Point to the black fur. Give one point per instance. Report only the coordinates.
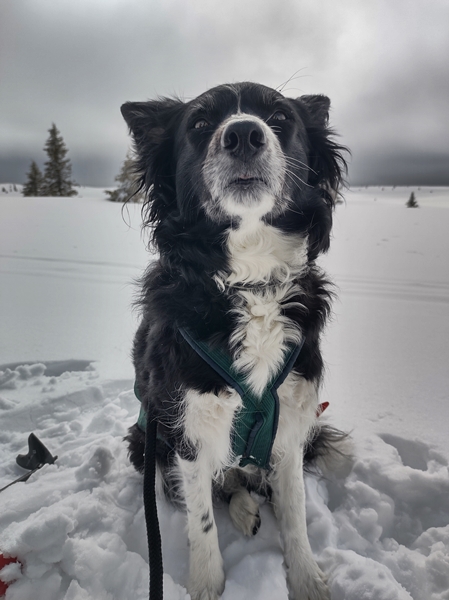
(178, 289)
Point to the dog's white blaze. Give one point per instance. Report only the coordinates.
(259, 253)
(261, 337)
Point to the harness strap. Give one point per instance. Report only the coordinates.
(257, 422)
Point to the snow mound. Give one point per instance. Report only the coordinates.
(78, 526)
(11, 189)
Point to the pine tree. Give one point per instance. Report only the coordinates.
(412, 202)
(33, 185)
(127, 188)
(58, 169)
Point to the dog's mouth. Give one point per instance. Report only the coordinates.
(247, 181)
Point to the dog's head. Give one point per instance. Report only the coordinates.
(235, 152)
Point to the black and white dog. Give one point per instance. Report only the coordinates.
(240, 186)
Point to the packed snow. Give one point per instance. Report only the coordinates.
(379, 527)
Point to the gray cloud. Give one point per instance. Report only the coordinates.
(414, 167)
(384, 64)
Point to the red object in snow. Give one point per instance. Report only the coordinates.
(3, 562)
(321, 408)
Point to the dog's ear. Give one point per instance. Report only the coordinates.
(153, 126)
(325, 156)
(135, 114)
(327, 167)
(318, 107)
(149, 122)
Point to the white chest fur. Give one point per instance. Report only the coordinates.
(272, 261)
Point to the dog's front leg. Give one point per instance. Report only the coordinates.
(207, 424)
(206, 578)
(304, 578)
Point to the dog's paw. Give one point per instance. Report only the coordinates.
(207, 578)
(210, 592)
(206, 595)
(308, 585)
(244, 512)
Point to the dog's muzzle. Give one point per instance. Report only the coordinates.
(244, 169)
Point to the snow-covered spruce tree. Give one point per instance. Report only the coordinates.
(127, 188)
(33, 185)
(412, 202)
(58, 169)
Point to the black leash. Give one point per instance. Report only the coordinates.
(151, 518)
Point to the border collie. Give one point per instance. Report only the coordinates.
(240, 186)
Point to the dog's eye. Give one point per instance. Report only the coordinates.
(279, 116)
(200, 124)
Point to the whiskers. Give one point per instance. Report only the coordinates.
(296, 179)
(280, 88)
(296, 162)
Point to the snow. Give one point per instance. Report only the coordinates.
(63, 259)
(380, 528)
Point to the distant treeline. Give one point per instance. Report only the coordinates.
(127, 189)
(57, 177)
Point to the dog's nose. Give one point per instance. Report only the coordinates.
(243, 138)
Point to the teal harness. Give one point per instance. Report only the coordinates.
(256, 424)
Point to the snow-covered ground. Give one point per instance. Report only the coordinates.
(381, 531)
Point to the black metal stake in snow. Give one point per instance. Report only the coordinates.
(38, 456)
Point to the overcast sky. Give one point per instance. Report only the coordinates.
(383, 63)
